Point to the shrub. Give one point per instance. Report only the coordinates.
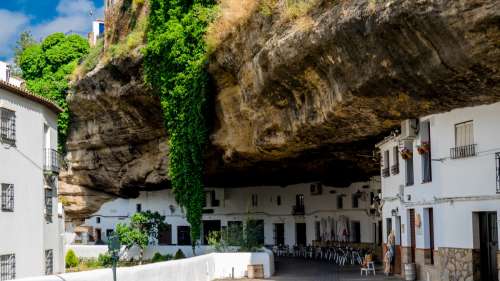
(104, 260)
(71, 259)
(179, 255)
(157, 257)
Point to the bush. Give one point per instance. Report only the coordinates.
(179, 255)
(157, 257)
(104, 260)
(71, 259)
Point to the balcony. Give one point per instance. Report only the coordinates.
(298, 210)
(386, 172)
(51, 161)
(463, 151)
(395, 169)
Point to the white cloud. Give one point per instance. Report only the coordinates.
(12, 24)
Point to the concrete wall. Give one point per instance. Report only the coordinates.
(200, 268)
(236, 205)
(24, 231)
(459, 187)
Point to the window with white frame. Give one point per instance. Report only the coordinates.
(7, 267)
(7, 197)
(48, 205)
(49, 262)
(7, 126)
(464, 134)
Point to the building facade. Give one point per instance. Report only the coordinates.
(31, 222)
(441, 193)
(292, 215)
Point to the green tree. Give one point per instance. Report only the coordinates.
(71, 259)
(46, 67)
(143, 228)
(175, 59)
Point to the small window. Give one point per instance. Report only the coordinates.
(48, 205)
(7, 267)
(355, 201)
(138, 208)
(109, 232)
(7, 126)
(98, 220)
(340, 202)
(183, 235)
(7, 197)
(255, 201)
(49, 262)
(278, 200)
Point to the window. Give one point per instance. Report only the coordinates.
(340, 202)
(464, 141)
(165, 235)
(7, 126)
(395, 160)
(385, 168)
(388, 226)
(98, 220)
(48, 205)
(138, 208)
(425, 141)
(355, 201)
(7, 197)
(429, 212)
(409, 178)
(109, 232)
(255, 200)
(278, 200)
(183, 235)
(299, 200)
(7, 267)
(49, 262)
(356, 232)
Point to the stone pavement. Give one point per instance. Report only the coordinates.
(291, 269)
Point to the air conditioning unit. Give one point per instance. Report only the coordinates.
(409, 129)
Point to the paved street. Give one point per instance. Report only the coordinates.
(290, 269)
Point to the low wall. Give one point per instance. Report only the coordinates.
(200, 268)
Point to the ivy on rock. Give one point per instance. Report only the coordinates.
(175, 65)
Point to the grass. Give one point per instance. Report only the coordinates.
(298, 8)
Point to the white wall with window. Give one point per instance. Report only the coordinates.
(25, 233)
(273, 206)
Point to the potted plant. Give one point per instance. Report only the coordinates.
(424, 147)
(406, 153)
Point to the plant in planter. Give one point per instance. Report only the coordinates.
(424, 147)
(406, 153)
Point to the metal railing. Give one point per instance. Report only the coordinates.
(298, 210)
(395, 169)
(386, 172)
(51, 162)
(463, 151)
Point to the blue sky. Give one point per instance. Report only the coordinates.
(44, 17)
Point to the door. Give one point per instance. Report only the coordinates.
(397, 259)
(412, 235)
(489, 245)
(208, 227)
(98, 235)
(279, 234)
(300, 234)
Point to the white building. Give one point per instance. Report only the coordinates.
(293, 215)
(30, 222)
(443, 202)
(6, 75)
(96, 33)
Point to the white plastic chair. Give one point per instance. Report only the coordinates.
(369, 268)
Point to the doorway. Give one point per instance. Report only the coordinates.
(208, 227)
(412, 235)
(488, 235)
(397, 259)
(300, 234)
(279, 234)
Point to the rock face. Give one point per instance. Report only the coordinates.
(295, 100)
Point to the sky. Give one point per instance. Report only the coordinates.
(44, 17)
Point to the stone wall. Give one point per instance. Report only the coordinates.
(457, 264)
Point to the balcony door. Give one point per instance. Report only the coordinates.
(300, 234)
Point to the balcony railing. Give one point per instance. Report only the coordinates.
(298, 210)
(386, 172)
(463, 151)
(51, 161)
(395, 169)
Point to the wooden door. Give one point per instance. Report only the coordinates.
(489, 245)
(412, 235)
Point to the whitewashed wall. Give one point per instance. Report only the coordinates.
(200, 268)
(235, 205)
(24, 231)
(459, 187)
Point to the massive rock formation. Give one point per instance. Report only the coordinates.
(295, 100)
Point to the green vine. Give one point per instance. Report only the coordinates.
(175, 65)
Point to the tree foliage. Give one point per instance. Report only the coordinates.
(175, 65)
(143, 228)
(71, 259)
(46, 67)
